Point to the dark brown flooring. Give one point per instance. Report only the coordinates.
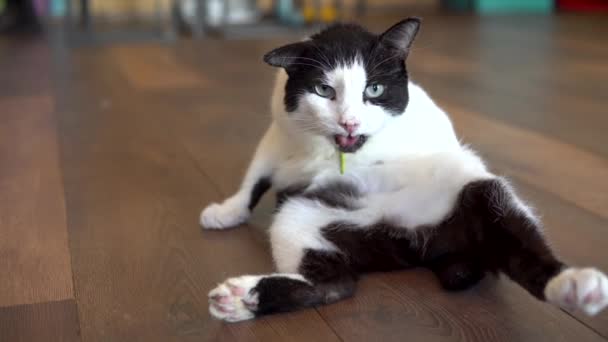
(108, 154)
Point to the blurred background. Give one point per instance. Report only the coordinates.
(170, 19)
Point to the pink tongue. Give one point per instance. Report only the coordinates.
(346, 141)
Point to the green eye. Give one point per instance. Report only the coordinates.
(324, 90)
(374, 90)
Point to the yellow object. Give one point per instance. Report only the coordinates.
(122, 9)
(309, 13)
(328, 14)
(342, 163)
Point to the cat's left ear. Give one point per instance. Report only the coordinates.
(285, 56)
(401, 35)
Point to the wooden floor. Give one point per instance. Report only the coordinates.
(108, 154)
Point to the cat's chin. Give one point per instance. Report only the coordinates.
(350, 143)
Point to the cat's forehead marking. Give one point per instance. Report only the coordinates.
(349, 79)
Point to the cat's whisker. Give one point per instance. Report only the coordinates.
(307, 121)
(327, 63)
(372, 56)
(308, 129)
(307, 64)
(304, 122)
(384, 61)
(300, 57)
(381, 75)
(320, 65)
(313, 127)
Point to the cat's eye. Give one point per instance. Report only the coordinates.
(324, 90)
(374, 90)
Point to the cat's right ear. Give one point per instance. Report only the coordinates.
(401, 35)
(285, 56)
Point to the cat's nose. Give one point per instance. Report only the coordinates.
(349, 125)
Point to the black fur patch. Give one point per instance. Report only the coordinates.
(488, 231)
(280, 294)
(457, 271)
(292, 191)
(381, 247)
(330, 279)
(335, 195)
(259, 189)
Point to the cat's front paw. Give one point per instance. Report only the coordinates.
(225, 215)
(584, 289)
(234, 300)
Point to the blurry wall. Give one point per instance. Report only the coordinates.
(129, 8)
(119, 8)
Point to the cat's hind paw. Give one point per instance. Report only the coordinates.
(234, 300)
(584, 289)
(225, 215)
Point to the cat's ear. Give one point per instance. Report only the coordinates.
(285, 55)
(401, 35)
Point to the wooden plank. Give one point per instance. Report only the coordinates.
(44, 322)
(151, 67)
(33, 237)
(25, 68)
(412, 304)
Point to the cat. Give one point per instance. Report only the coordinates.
(410, 194)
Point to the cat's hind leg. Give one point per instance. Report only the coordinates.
(512, 242)
(456, 271)
(326, 280)
(313, 271)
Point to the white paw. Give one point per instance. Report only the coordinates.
(225, 215)
(233, 300)
(584, 289)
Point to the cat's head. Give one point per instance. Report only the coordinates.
(345, 83)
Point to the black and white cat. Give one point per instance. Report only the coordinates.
(411, 193)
